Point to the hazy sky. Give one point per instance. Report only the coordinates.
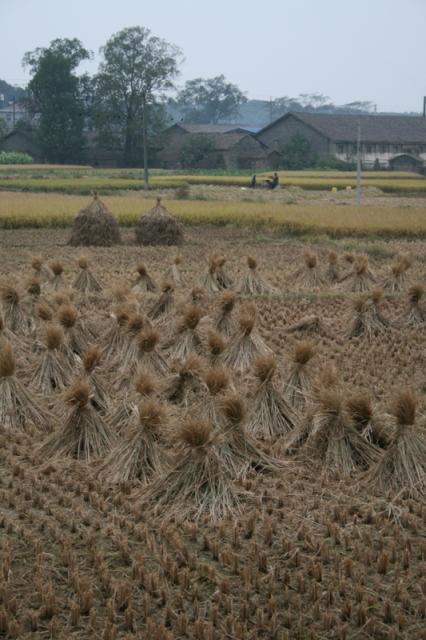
(346, 49)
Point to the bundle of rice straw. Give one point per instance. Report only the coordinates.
(86, 282)
(187, 383)
(397, 279)
(114, 338)
(309, 276)
(378, 320)
(198, 483)
(43, 312)
(216, 346)
(186, 340)
(53, 373)
(296, 438)
(246, 344)
(361, 278)
(138, 456)
(332, 274)
(417, 313)
(95, 226)
(41, 272)
(158, 227)
(91, 361)
(144, 282)
(309, 325)
(196, 296)
(173, 273)
(145, 387)
(208, 405)
(403, 464)
(18, 409)
(252, 283)
(76, 336)
(163, 308)
(225, 322)
(334, 442)
(239, 451)
(14, 316)
(365, 322)
(84, 435)
(57, 282)
(297, 390)
(377, 429)
(271, 417)
(215, 279)
(149, 359)
(127, 359)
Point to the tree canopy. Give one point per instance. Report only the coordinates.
(209, 100)
(137, 67)
(55, 97)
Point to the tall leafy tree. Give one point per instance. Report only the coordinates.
(136, 69)
(209, 100)
(55, 96)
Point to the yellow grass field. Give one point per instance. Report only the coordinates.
(57, 210)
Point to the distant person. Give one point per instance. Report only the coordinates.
(253, 182)
(273, 182)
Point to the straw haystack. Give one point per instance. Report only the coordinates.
(158, 227)
(95, 226)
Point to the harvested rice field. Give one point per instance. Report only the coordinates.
(224, 440)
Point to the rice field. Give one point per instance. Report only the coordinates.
(55, 210)
(224, 439)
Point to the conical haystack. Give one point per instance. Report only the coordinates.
(252, 283)
(18, 409)
(246, 344)
(297, 389)
(198, 483)
(271, 417)
(377, 429)
(309, 276)
(225, 322)
(403, 464)
(397, 278)
(158, 227)
(86, 283)
(95, 226)
(84, 435)
(334, 442)
(138, 456)
(182, 387)
(53, 373)
(416, 315)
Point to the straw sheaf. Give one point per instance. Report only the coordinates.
(56, 268)
(191, 318)
(7, 359)
(92, 358)
(233, 409)
(44, 312)
(151, 414)
(148, 339)
(192, 366)
(303, 352)
(415, 293)
(360, 410)
(265, 367)
(122, 318)
(68, 316)
(349, 257)
(141, 269)
(178, 260)
(377, 295)
(197, 295)
(78, 395)
(330, 401)
(196, 433)
(310, 259)
(9, 295)
(145, 385)
(37, 263)
(227, 301)
(332, 257)
(361, 265)
(135, 323)
(252, 263)
(216, 379)
(328, 376)
(215, 342)
(167, 287)
(360, 304)
(34, 287)
(54, 337)
(404, 408)
(83, 262)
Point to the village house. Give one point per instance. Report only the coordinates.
(22, 142)
(229, 147)
(387, 142)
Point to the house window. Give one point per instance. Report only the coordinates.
(340, 148)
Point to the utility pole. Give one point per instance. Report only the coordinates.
(358, 166)
(145, 141)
